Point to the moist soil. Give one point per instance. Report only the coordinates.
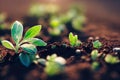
(79, 62)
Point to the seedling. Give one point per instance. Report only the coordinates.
(54, 65)
(94, 54)
(95, 65)
(111, 59)
(78, 22)
(73, 39)
(97, 44)
(56, 27)
(28, 43)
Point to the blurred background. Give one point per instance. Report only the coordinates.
(100, 9)
(105, 12)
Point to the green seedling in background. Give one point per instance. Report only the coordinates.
(3, 17)
(94, 54)
(28, 43)
(78, 22)
(43, 9)
(54, 65)
(73, 39)
(95, 65)
(56, 26)
(111, 59)
(97, 44)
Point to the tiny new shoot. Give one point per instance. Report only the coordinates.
(73, 39)
(28, 43)
(97, 44)
(54, 65)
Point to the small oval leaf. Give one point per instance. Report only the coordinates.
(7, 44)
(37, 42)
(32, 32)
(29, 48)
(24, 59)
(17, 31)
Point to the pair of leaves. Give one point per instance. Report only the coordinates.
(74, 40)
(17, 31)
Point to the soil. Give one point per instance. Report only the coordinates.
(78, 66)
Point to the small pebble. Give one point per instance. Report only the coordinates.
(37, 56)
(60, 60)
(117, 49)
(97, 38)
(78, 51)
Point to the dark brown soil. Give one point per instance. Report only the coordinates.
(78, 65)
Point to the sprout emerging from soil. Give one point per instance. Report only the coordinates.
(54, 65)
(73, 39)
(111, 59)
(94, 54)
(28, 43)
(97, 44)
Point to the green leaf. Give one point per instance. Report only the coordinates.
(24, 58)
(29, 48)
(32, 32)
(71, 38)
(111, 59)
(36, 42)
(17, 31)
(32, 57)
(97, 44)
(7, 44)
(94, 54)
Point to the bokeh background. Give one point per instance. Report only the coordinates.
(105, 11)
(102, 9)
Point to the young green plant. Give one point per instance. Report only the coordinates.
(54, 65)
(97, 44)
(111, 59)
(73, 39)
(28, 43)
(94, 54)
(56, 27)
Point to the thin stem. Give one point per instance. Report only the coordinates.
(17, 48)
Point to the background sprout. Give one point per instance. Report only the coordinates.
(28, 44)
(73, 39)
(95, 65)
(56, 26)
(43, 9)
(94, 54)
(97, 44)
(78, 22)
(111, 59)
(54, 65)
(55, 22)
